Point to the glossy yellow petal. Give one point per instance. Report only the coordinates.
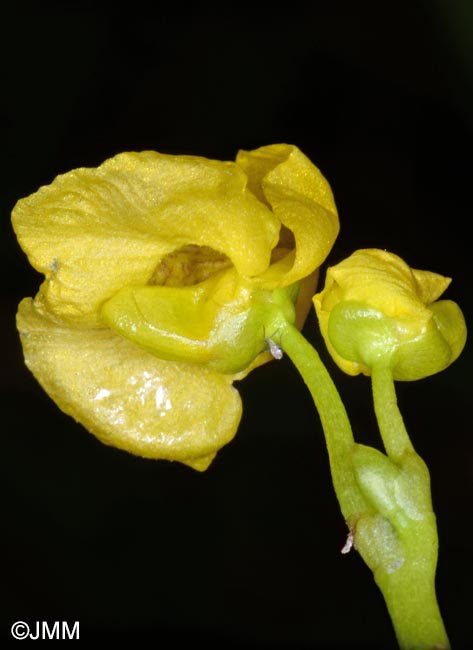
(429, 286)
(301, 198)
(94, 231)
(384, 281)
(127, 397)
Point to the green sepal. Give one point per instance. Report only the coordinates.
(412, 348)
(222, 322)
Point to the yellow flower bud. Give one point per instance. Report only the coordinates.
(375, 309)
(161, 275)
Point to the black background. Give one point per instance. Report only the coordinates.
(380, 97)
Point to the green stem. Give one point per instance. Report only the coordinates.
(333, 416)
(384, 500)
(391, 424)
(409, 592)
(410, 597)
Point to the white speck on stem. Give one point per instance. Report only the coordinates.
(349, 543)
(275, 349)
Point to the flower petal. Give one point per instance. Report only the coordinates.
(93, 231)
(299, 195)
(384, 280)
(430, 286)
(127, 397)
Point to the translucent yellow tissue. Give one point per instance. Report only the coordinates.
(375, 309)
(163, 277)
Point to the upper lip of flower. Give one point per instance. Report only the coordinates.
(93, 231)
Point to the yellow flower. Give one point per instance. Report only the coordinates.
(164, 275)
(375, 309)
